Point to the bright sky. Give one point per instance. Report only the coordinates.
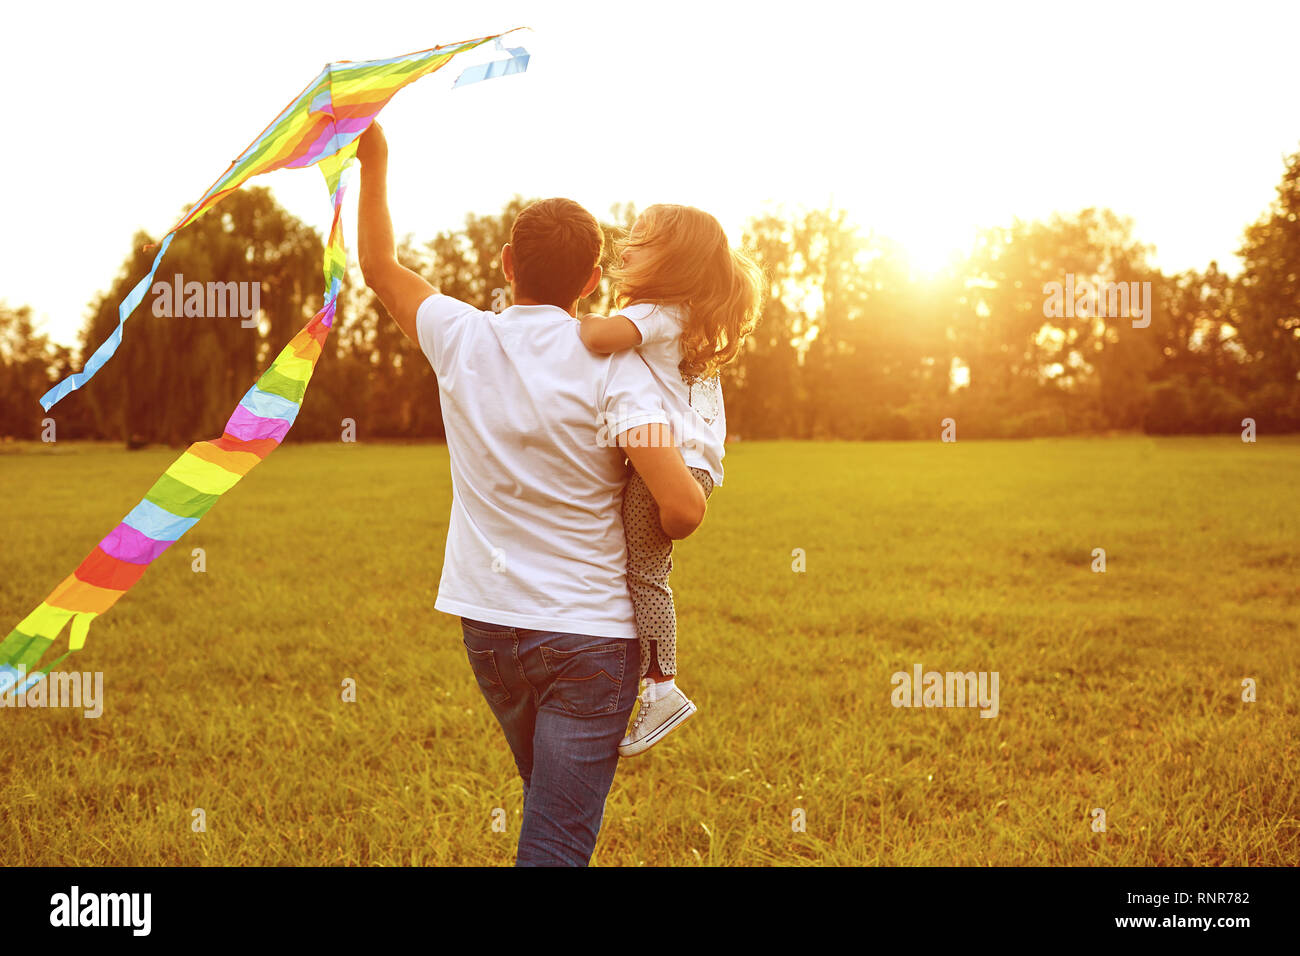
(923, 120)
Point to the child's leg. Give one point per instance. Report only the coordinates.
(649, 563)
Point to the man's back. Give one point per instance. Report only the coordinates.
(535, 537)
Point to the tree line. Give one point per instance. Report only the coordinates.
(853, 343)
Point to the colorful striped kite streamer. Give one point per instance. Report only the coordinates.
(321, 126)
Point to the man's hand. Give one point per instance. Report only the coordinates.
(372, 148)
(399, 289)
(679, 496)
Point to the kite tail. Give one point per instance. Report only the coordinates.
(319, 126)
(189, 488)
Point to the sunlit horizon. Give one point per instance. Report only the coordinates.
(1056, 111)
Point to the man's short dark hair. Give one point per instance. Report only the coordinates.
(556, 244)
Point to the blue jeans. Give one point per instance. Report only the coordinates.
(563, 701)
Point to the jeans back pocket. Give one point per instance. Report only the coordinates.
(484, 665)
(587, 682)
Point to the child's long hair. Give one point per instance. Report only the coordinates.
(687, 261)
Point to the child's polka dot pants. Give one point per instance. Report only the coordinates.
(649, 562)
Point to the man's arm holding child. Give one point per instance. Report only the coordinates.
(679, 496)
(399, 289)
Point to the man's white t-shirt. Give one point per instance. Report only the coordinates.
(696, 412)
(535, 538)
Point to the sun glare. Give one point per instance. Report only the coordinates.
(930, 255)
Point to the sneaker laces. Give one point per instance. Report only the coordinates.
(642, 711)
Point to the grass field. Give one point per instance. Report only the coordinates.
(1118, 690)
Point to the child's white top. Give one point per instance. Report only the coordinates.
(698, 418)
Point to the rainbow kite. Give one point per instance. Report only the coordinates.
(321, 126)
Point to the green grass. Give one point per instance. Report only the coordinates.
(1119, 690)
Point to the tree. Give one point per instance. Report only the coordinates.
(1268, 305)
(29, 364)
(176, 378)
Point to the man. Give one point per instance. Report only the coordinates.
(537, 429)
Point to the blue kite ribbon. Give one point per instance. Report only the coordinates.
(110, 344)
(517, 62)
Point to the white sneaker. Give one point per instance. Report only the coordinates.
(655, 721)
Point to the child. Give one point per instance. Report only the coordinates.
(687, 300)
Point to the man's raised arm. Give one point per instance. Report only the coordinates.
(680, 498)
(399, 289)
